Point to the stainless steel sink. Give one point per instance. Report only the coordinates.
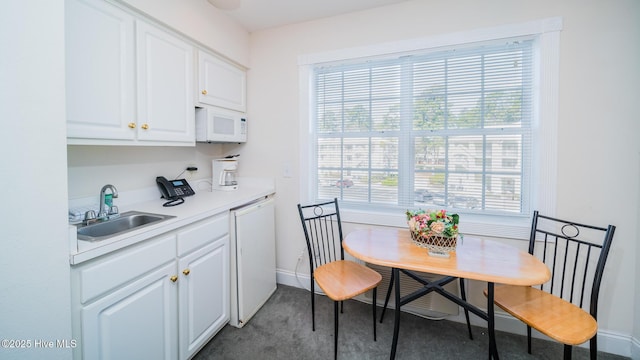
(128, 221)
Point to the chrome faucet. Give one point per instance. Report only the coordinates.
(102, 214)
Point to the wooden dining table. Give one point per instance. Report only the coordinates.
(474, 258)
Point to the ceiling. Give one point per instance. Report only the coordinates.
(262, 14)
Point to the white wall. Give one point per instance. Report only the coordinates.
(201, 22)
(598, 153)
(34, 262)
(635, 354)
(133, 168)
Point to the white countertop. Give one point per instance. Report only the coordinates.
(203, 204)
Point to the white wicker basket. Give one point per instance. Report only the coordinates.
(438, 245)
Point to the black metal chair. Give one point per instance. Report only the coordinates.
(339, 279)
(566, 307)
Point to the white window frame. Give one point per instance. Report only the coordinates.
(544, 126)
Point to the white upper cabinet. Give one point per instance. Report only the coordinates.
(221, 83)
(99, 70)
(128, 82)
(165, 79)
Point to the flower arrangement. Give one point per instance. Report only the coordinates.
(433, 223)
(435, 230)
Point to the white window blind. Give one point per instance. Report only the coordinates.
(440, 129)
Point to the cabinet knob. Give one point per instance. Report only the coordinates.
(145, 126)
(204, 92)
(173, 278)
(132, 125)
(186, 271)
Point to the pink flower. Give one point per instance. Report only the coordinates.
(437, 227)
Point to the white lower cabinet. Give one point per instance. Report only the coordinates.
(203, 295)
(138, 321)
(164, 298)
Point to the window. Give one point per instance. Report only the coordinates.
(423, 129)
(459, 121)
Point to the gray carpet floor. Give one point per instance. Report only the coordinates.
(282, 330)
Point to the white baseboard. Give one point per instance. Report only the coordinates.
(608, 341)
(289, 278)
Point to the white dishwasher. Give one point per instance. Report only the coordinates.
(253, 258)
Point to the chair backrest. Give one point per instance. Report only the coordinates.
(323, 232)
(576, 254)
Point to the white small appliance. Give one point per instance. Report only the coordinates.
(253, 259)
(220, 125)
(224, 174)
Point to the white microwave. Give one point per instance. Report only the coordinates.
(220, 125)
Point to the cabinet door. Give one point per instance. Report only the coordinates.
(166, 110)
(221, 83)
(203, 295)
(139, 321)
(99, 70)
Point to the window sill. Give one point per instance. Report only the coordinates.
(478, 225)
